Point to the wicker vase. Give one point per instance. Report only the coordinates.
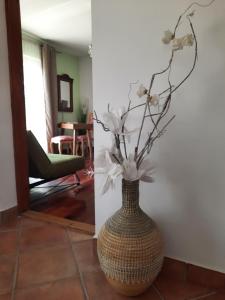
(130, 245)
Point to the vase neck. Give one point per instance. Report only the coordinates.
(130, 192)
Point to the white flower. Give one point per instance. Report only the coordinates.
(188, 40)
(111, 169)
(141, 91)
(179, 43)
(153, 100)
(84, 108)
(114, 120)
(130, 171)
(168, 36)
(146, 170)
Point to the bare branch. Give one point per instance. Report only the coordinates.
(128, 109)
(152, 140)
(100, 122)
(195, 59)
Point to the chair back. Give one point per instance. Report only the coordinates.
(90, 118)
(38, 159)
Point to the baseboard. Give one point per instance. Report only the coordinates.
(184, 271)
(8, 215)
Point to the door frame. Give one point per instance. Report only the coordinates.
(15, 57)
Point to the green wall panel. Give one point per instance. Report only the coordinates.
(68, 64)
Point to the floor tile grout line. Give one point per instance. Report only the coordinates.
(158, 292)
(78, 269)
(205, 296)
(35, 285)
(45, 244)
(8, 230)
(16, 267)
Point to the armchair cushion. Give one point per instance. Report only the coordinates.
(50, 166)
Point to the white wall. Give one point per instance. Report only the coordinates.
(187, 199)
(7, 172)
(85, 72)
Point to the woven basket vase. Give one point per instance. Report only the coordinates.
(130, 245)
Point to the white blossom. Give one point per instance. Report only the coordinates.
(114, 120)
(153, 100)
(179, 43)
(141, 91)
(146, 171)
(111, 169)
(168, 36)
(188, 40)
(131, 173)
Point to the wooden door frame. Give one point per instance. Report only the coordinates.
(15, 56)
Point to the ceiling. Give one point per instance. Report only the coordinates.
(65, 23)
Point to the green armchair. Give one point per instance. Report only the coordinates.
(49, 167)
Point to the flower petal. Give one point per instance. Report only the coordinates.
(141, 91)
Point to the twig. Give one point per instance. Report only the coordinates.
(123, 116)
(100, 122)
(152, 140)
(195, 58)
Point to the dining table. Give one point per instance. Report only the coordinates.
(76, 127)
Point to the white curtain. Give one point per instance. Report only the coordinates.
(34, 91)
(48, 56)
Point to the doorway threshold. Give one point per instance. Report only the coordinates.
(84, 227)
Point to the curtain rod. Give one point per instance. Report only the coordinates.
(36, 39)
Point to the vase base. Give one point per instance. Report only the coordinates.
(130, 290)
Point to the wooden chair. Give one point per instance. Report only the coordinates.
(61, 140)
(85, 139)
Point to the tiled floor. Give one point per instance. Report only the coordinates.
(63, 199)
(41, 261)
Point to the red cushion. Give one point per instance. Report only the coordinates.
(79, 138)
(62, 138)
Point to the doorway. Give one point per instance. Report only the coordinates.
(18, 107)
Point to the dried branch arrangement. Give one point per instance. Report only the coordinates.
(135, 166)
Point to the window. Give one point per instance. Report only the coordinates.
(34, 91)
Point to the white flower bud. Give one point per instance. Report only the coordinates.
(177, 44)
(141, 91)
(188, 40)
(155, 100)
(168, 36)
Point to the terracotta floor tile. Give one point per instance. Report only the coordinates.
(8, 242)
(42, 265)
(86, 255)
(76, 236)
(67, 289)
(177, 290)
(216, 296)
(5, 297)
(206, 277)
(39, 236)
(28, 222)
(10, 225)
(99, 289)
(7, 265)
(173, 268)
